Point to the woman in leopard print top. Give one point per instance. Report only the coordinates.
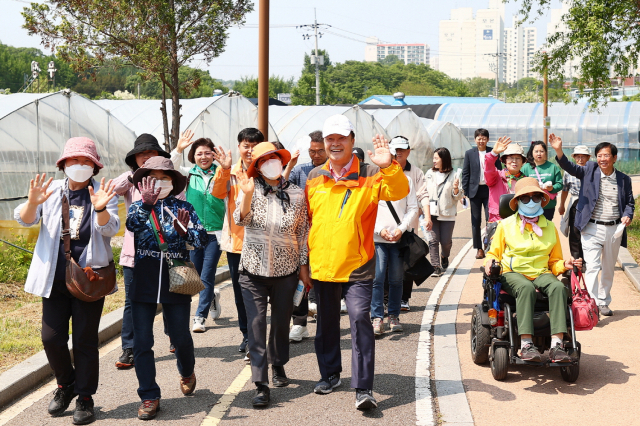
(274, 257)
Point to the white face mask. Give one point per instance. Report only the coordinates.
(166, 186)
(271, 169)
(78, 173)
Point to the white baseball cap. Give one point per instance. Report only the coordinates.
(337, 125)
(399, 142)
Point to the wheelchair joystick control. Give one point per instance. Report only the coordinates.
(495, 270)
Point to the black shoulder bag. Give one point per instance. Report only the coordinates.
(413, 250)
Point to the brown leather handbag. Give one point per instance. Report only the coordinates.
(103, 280)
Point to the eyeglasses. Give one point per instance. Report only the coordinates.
(318, 152)
(604, 156)
(537, 198)
(205, 154)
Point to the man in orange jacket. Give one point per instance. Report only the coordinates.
(343, 197)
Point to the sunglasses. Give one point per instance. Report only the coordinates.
(537, 198)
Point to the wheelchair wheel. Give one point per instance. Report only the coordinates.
(500, 363)
(480, 338)
(570, 374)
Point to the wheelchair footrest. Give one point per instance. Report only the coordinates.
(519, 361)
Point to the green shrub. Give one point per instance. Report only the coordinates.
(14, 263)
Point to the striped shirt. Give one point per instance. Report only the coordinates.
(571, 184)
(606, 208)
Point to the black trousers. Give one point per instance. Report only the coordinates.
(575, 245)
(481, 199)
(57, 309)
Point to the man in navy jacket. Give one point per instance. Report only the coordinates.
(605, 203)
(475, 187)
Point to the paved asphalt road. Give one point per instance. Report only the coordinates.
(218, 365)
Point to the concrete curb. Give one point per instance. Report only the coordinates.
(18, 380)
(629, 266)
(424, 400)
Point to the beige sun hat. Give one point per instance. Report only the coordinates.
(526, 186)
(581, 149)
(513, 149)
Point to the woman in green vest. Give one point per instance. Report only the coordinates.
(547, 174)
(527, 247)
(210, 210)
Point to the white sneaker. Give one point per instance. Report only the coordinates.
(246, 356)
(313, 309)
(297, 333)
(343, 307)
(215, 310)
(198, 325)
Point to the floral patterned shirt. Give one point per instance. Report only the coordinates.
(275, 239)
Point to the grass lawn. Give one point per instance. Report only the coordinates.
(21, 313)
(633, 234)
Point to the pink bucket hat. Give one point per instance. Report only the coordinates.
(80, 147)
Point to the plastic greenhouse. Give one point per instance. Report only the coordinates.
(406, 123)
(445, 134)
(34, 129)
(618, 123)
(291, 123)
(219, 118)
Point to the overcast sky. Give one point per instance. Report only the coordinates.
(400, 21)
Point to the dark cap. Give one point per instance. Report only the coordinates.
(166, 165)
(144, 142)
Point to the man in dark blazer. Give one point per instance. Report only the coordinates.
(605, 205)
(475, 187)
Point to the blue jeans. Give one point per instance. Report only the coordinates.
(206, 262)
(234, 264)
(387, 256)
(127, 322)
(177, 324)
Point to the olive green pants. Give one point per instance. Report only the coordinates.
(524, 290)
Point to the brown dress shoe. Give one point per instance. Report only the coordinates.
(480, 254)
(148, 409)
(188, 384)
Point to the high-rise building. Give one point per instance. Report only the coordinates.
(409, 53)
(557, 25)
(480, 46)
(519, 44)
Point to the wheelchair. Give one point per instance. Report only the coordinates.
(494, 330)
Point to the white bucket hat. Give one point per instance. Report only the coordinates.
(581, 149)
(513, 149)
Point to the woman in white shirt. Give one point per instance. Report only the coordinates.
(444, 193)
(387, 233)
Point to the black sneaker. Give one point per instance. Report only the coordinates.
(444, 262)
(530, 353)
(365, 399)
(62, 397)
(326, 386)
(558, 354)
(243, 345)
(83, 414)
(126, 359)
(263, 396)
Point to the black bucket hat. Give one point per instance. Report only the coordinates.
(144, 142)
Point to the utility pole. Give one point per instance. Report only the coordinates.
(545, 95)
(263, 68)
(315, 27)
(316, 59)
(496, 67)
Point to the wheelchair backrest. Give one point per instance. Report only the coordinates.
(505, 209)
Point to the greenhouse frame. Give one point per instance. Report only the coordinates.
(576, 124)
(33, 131)
(448, 135)
(405, 122)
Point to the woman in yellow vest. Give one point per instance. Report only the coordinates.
(528, 248)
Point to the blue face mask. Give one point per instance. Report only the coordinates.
(531, 209)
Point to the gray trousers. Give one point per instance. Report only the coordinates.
(441, 236)
(600, 255)
(255, 291)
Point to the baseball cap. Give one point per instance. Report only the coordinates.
(359, 153)
(337, 124)
(399, 142)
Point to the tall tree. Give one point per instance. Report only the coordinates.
(157, 36)
(602, 36)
